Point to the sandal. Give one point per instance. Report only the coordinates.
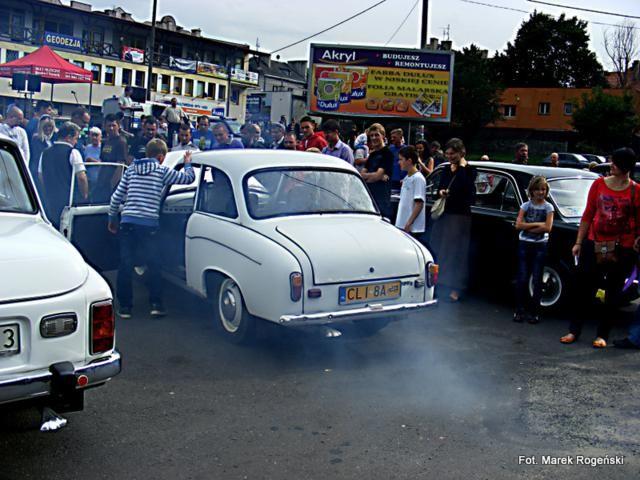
(599, 343)
(568, 338)
(454, 297)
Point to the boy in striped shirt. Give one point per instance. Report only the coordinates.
(140, 190)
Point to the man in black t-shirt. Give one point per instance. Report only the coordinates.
(138, 146)
(114, 150)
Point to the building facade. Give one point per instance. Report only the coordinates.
(202, 73)
(282, 90)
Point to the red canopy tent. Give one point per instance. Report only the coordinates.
(50, 66)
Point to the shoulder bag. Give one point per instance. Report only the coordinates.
(437, 209)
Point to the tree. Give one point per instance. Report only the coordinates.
(604, 121)
(476, 93)
(550, 52)
(621, 45)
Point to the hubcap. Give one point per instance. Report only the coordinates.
(551, 287)
(230, 306)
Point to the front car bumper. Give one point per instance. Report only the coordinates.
(370, 311)
(38, 383)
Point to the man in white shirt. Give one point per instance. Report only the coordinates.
(57, 165)
(184, 140)
(174, 116)
(12, 128)
(125, 102)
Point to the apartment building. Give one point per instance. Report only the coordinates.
(203, 73)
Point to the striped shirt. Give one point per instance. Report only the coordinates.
(140, 190)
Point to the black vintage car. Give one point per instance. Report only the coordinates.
(500, 190)
(605, 169)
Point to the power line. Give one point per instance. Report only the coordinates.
(330, 28)
(403, 22)
(526, 11)
(584, 9)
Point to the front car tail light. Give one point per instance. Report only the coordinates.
(295, 282)
(103, 327)
(431, 274)
(58, 325)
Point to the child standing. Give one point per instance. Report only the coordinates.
(140, 190)
(411, 216)
(535, 220)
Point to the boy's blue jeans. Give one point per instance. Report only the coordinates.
(531, 257)
(132, 236)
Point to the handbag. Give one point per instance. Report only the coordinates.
(437, 209)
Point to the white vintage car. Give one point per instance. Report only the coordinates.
(293, 238)
(57, 328)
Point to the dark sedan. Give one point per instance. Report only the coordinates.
(605, 169)
(500, 190)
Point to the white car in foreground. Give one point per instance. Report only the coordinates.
(293, 238)
(56, 314)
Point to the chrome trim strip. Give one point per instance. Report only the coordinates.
(354, 314)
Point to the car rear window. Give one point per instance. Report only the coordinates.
(14, 192)
(570, 195)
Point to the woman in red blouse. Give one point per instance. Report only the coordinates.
(611, 216)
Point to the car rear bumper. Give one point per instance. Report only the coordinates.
(363, 313)
(39, 383)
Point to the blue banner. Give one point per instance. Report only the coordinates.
(59, 40)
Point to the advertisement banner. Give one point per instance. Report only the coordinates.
(131, 54)
(182, 64)
(58, 40)
(381, 82)
(211, 70)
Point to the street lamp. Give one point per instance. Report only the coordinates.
(153, 46)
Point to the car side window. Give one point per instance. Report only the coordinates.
(496, 191)
(433, 181)
(216, 194)
(510, 199)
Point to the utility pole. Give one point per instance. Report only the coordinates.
(227, 114)
(152, 49)
(424, 35)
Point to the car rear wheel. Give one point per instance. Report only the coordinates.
(554, 286)
(235, 322)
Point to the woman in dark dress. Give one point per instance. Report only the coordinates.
(378, 169)
(451, 232)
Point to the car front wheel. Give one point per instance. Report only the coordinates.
(235, 322)
(554, 286)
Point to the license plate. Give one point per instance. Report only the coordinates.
(9, 339)
(372, 291)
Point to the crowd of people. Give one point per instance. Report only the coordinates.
(606, 248)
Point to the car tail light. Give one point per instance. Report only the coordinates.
(431, 273)
(295, 282)
(103, 327)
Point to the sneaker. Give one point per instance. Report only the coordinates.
(124, 312)
(518, 317)
(157, 310)
(140, 270)
(625, 343)
(534, 319)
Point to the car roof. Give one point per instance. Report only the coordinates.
(237, 162)
(548, 172)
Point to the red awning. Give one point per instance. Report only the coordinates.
(50, 66)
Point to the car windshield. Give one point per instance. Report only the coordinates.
(14, 194)
(280, 192)
(570, 195)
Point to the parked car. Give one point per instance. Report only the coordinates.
(292, 238)
(594, 158)
(605, 169)
(500, 190)
(57, 330)
(569, 160)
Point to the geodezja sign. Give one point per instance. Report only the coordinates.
(59, 40)
(381, 82)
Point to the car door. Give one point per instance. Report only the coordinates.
(84, 220)
(494, 239)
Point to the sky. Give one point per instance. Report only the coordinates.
(276, 23)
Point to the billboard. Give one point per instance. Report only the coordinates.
(381, 82)
(132, 54)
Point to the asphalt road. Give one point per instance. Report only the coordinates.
(460, 392)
